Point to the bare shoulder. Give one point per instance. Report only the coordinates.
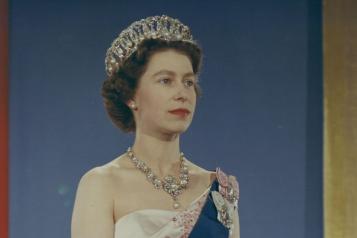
(93, 207)
(101, 178)
(96, 178)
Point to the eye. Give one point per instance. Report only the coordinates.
(189, 82)
(165, 80)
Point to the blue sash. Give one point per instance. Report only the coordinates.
(207, 224)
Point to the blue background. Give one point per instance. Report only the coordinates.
(260, 117)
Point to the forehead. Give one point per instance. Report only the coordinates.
(171, 60)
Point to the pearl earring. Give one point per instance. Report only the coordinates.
(132, 105)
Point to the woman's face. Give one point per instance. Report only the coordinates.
(167, 84)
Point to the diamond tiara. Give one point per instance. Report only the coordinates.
(154, 27)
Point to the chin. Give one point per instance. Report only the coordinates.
(176, 129)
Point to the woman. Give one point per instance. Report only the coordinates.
(153, 190)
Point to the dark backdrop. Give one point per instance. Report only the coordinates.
(260, 117)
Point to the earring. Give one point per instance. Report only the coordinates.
(133, 106)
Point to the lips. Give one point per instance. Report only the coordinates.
(182, 112)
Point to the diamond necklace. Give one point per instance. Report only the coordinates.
(169, 184)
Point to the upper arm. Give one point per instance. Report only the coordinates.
(236, 225)
(92, 215)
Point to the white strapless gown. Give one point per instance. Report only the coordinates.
(158, 223)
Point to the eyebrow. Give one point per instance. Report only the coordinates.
(169, 72)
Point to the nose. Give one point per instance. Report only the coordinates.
(181, 98)
(181, 94)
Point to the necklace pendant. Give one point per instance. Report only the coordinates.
(176, 205)
(169, 184)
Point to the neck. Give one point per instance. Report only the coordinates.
(161, 154)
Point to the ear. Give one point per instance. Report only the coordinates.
(131, 104)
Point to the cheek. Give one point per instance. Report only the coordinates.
(153, 103)
(194, 97)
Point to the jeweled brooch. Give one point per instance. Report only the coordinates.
(226, 199)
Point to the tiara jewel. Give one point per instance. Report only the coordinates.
(154, 27)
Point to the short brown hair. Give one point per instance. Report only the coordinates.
(121, 86)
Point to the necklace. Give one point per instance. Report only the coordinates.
(171, 185)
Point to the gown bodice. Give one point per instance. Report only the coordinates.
(160, 223)
(155, 223)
